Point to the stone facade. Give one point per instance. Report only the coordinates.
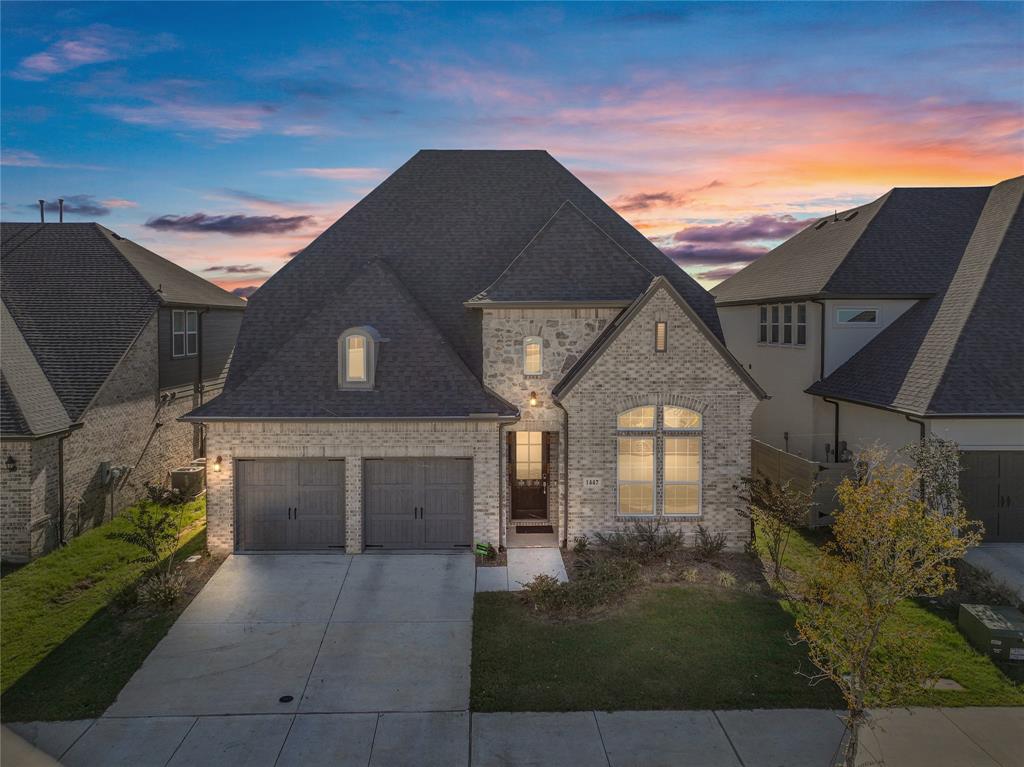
(352, 441)
(566, 335)
(127, 425)
(693, 374)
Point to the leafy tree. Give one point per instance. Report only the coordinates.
(776, 510)
(889, 546)
(151, 529)
(938, 466)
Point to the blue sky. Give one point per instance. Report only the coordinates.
(226, 136)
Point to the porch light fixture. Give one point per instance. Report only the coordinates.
(11, 463)
(216, 464)
(533, 399)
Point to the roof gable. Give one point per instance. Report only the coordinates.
(418, 374)
(960, 351)
(31, 406)
(610, 333)
(570, 259)
(908, 242)
(447, 223)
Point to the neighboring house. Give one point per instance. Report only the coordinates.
(104, 345)
(480, 350)
(897, 319)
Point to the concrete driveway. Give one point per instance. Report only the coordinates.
(324, 634)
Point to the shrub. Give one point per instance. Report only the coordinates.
(708, 545)
(691, 575)
(641, 542)
(726, 579)
(163, 588)
(153, 532)
(600, 582)
(162, 496)
(124, 596)
(776, 509)
(580, 545)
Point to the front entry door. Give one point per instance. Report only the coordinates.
(528, 474)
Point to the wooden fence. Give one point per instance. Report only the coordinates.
(780, 466)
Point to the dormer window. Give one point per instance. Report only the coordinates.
(533, 356)
(357, 358)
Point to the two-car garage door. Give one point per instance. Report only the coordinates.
(289, 505)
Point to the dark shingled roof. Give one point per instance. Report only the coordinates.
(12, 422)
(908, 242)
(447, 223)
(80, 295)
(570, 259)
(960, 352)
(418, 374)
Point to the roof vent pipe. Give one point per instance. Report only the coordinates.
(42, 204)
(60, 207)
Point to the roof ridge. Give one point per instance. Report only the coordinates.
(883, 200)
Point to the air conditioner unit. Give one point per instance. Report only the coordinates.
(189, 481)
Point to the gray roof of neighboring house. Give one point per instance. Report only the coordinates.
(604, 340)
(569, 259)
(12, 422)
(447, 224)
(80, 295)
(418, 374)
(908, 242)
(960, 352)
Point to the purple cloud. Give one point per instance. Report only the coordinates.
(688, 254)
(764, 227)
(645, 200)
(236, 269)
(94, 44)
(237, 225)
(75, 204)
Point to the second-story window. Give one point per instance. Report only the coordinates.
(357, 358)
(184, 333)
(782, 324)
(660, 336)
(533, 356)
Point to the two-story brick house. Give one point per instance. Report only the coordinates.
(480, 350)
(105, 344)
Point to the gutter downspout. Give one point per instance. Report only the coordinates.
(197, 398)
(835, 432)
(565, 475)
(503, 479)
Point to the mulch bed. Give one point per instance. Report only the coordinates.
(499, 561)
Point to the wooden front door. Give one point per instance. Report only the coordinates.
(528, 468)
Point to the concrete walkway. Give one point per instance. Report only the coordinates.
(1005, 562)
(968, 737)
(523, 566)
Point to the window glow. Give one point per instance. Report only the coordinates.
(529, 454)
(533, 356)
(660, 336)
(636, 475)
(681, 418)
(637, 418)
(355, 358)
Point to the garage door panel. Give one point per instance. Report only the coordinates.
(289, 505)
(992, 486)
(411, 504)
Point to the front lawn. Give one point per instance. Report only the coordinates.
(668, 647)
(66, 648)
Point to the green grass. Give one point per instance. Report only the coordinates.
(948, 651)
(65, 653)
(685, 647)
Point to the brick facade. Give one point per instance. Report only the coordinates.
(352, 441)
(693, 374)
(119, 427)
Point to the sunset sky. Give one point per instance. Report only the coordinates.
(226, 136)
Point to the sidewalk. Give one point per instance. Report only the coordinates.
(949, 737)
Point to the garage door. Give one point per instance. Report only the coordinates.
(290, 505)
(992, 485)
(417, 503)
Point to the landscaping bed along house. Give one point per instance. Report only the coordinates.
(75, 626)
(650, 621)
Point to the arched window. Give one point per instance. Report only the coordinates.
(357, 358)
(533, 356)
(659, 442)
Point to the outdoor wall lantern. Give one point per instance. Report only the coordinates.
(533, 399)
(11, 463)
(216, 464)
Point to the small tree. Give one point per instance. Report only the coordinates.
(150, 529)
(889, 546)
(938, 466)
(776, 510)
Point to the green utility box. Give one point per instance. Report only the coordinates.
(995, 630)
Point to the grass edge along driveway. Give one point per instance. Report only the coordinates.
(65, 649)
